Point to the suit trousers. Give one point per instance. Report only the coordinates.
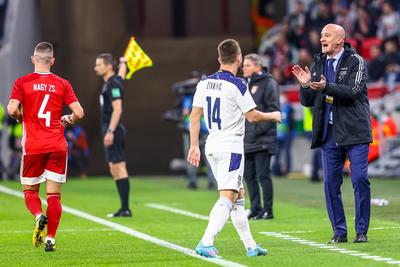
(333, 159)
(257, 171)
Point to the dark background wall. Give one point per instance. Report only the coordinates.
(82, 29)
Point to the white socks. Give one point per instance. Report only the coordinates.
(218, 217)
(241, 223)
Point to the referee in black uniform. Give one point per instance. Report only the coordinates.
(112, 128)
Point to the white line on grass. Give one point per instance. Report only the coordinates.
(333, 248)
(62, 230)
(130, 231)
(177, 211)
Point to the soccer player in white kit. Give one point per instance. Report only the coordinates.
(226, 103)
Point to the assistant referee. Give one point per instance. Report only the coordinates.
(113, 130)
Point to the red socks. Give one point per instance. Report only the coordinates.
(53, 213)
(33, 202)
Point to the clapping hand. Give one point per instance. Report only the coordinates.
(319, 85)
(303, 76)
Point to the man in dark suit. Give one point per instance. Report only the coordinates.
(336, 88)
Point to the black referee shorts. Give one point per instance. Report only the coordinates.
(116, 152)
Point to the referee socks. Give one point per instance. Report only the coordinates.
(123, 190)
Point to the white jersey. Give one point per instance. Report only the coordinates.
(224, 99)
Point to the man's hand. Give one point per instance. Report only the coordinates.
(276, 116)
(319, 85)
(122, 60)
(108, 139)
(194, 156)
(66, 120)
(303, 76)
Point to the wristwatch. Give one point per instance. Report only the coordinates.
(109, 130)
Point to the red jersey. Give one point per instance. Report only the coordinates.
(42, 96)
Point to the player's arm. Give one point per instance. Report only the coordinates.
(76, 115)
(13, 109)
(122, 67)
(115, 117)
(258, 116)
(194, 151)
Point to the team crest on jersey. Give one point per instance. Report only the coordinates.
(254, 89)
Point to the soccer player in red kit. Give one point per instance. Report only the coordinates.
(41, 95)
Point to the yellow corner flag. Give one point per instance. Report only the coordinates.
(136, 58)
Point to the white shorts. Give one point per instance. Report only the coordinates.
(228, 169)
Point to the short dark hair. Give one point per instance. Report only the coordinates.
(44, 47)
(107, 58)
(228, 51)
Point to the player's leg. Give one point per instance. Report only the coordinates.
(56, 175)
(241, 224)
(54, 212)
(116, 162)
(120, 175)
(32, 169)
(219, 214)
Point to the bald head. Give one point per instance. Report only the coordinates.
(332, 39)
(337, 29)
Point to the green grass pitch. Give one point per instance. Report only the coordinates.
(299, 210)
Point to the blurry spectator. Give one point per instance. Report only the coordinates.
(345, 15)
(3, 9)
(317, 20)
(78, 150)
(14, 143)
(364, 26)
(191, 171)
(285, 136)
(277, 73)
(313, 44)
(375, 70)
(283, 52)
(305, 58)
(296, 23)
(392, 75)
(391, 50)
(388, 24)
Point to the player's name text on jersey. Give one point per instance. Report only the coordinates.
(214, 86)
(44, 87)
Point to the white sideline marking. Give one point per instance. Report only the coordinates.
(385, 228)
(178, 211)
(130, 231)
(61, 230)
(365, 256)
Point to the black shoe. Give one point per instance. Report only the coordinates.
(264, 215)
(338, 239)
(253, 214)
(192, 185)
(120, 213)
(361, 238)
